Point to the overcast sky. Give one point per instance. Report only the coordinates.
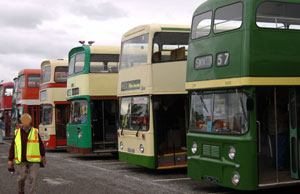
(32, 31)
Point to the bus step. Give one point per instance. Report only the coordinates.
(105, 150)
(104, 142)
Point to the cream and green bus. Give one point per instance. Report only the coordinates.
(152, 96)
(54, 106)
(92, 92)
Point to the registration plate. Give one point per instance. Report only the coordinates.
(131, 150)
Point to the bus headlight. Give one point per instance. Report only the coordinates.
(231, 153)
(235, 179)
(121, 145)
(194, 147)
(142, 148)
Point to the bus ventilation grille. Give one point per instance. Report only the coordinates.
(211, 151)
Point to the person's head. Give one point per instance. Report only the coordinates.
(26, 120)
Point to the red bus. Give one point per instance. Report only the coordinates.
(28, 95)
(6, 92)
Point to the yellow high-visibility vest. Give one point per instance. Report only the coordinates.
(33, 146)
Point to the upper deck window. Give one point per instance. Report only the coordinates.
(170, 46)
(34, 81)
(60, 74)
(104, 63)
(278, 15)
(228, 18)
(22, 81)
(1, 91)
(134, 52)
(46, 72)
(8, 91)
(201, 25)
(76, 64)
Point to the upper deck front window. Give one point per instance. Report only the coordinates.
(134, 52)
(76, 63)
(46, 71)
(278, 15)
(104, 63)
(60, 74)
(34, 81)
(8, 91)
(228, 18)
(201, 25)
(22, 81)
(219, 113)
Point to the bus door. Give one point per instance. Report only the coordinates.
(7, 122)
(170, 130)
(294, 108)
(34, 111)
(273, 129)
(104, 124)
(61, 120)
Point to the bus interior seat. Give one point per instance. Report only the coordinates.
(173, 55)
(180, 53)
(157, 56)
(114, 69)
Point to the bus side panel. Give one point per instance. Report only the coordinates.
(211, 162)
(146, 161)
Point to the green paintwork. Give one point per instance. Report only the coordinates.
(86, 140)
(176, 29)
(145, 161)
(254, 51)
(87, 51)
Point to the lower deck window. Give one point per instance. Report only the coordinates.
(47, 114)
(223, 112)
(78, 112)
(134, 113)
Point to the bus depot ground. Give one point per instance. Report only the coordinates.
(68, 173)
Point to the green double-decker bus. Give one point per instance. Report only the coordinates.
(243, 79)
(92, 92)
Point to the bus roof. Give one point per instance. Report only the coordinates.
(95, 50)
(54, 63)
(144, 29)
(29, 71)
(7, 84)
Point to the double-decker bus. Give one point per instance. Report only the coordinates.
(153, 100)
(243, 84)
(28, 96)
(92, 92)
(6, 92)
(54, 106)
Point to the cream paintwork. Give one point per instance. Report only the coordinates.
(94, 84)
(52, 95)
(159, 78)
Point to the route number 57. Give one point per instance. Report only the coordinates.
(223, 59)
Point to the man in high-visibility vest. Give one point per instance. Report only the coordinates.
(28, 152)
